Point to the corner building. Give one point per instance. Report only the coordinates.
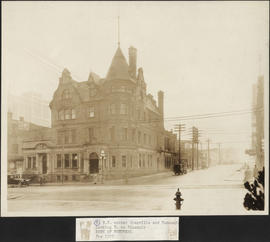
(103, 125)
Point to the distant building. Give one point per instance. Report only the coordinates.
(31, 107)
(18, 130)
(109, 126)
(257, 143)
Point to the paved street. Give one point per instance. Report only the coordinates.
(217, 190)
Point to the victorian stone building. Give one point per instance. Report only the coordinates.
(110, 126)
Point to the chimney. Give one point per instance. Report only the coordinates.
(160, 102)
(132, 52)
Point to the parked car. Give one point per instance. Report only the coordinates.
(180, 168)
(17, 180)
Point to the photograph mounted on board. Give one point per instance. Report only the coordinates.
(134, 108)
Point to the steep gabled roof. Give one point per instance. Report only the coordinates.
(119, 67)
(93, 77)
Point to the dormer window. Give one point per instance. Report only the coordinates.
(66, 94)
(65, 114)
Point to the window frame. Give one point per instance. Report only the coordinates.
(66, 161)
(91, 112)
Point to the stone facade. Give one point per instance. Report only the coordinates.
(107, 126)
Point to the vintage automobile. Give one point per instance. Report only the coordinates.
(17, 180)
(180, 168)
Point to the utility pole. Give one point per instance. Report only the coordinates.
(208, 153)
(195, 140)
(178, 128)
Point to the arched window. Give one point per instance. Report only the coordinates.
(66, 94)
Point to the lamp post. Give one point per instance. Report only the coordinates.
(102, 157)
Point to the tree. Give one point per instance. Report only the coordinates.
(254, 199)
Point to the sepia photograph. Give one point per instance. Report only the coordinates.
(134, 108)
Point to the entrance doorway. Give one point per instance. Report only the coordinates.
(93, 163)
(43, 160)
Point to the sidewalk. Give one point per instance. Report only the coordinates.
(120, 181)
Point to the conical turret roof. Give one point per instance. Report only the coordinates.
(119, 67)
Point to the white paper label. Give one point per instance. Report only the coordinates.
(109, 229)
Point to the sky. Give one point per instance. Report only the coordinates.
(203, 55)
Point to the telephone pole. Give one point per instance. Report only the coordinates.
(195, 140)
(178, 128)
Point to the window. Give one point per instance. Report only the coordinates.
(58, 161)
(61, 115)
(73, 177)
(124, 134)
(34, 162)
(29, 162)
(123, 108)
(139, 137)
(66, 160)
(112, 133)
(140, 160)
(113, 161)
(124, 161)
(113, 108)
(131, 161)
(66, 94)
(143, 160)
(74, 160)
(15, 148)
(73, 113)
(92, 112)
(91, 134)
(67, 114)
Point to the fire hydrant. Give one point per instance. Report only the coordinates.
(178, 199)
